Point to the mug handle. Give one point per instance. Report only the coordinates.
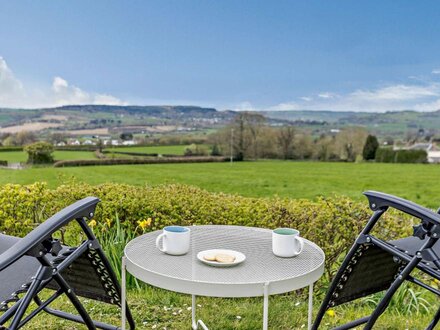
(158, 242)
(301, 245)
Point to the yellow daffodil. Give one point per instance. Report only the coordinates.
(331, 313)
(92, 223)
(144, 224)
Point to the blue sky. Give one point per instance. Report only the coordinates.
(336, 55)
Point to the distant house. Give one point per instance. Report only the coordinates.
(431, 150)
(89, 143)
(129, 143)
(74, 143)
(421, 146)
(434, 157)
(60, 144)
(114, 142)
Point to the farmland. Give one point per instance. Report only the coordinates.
(417, 182)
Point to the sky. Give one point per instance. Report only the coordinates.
(242, 55)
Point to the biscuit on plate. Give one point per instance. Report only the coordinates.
(224, 258)
(209, 257)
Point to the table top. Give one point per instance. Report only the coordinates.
(187, 274)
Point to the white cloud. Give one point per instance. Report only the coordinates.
(327, 95)
(423, 97)
(435, 71)
(13, 93)
(306, 98)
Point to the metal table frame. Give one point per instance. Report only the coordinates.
(223, 290)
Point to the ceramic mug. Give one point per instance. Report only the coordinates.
(286, 242)
(175, 240)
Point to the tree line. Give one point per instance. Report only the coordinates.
(250, 137)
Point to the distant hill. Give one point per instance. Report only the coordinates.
(106, 119)
(396, 123)
(103, 119)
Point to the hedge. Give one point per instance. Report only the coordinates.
(10, 149)
(388, 155)
(333, 223)
(131, 161)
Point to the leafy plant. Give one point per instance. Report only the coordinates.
(39, 153)
(406, 301)
(113, 239)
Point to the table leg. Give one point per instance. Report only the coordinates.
(310, 314)
(123, 295)
(195, 322)
(266, 306)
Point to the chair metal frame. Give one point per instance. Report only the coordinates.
(425, 259)
(53, 259)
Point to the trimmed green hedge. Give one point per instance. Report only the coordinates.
(388, 155)
(131, 161)
(332, 223)
(10, 149)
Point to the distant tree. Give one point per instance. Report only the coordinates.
(39, 153)
(350, 142)
(195, 150)
(100, 145)
(126, 136)
(25, 137)
(370, 147)
(57, 137)
(215, 150)
(285, 138)
(246, 126)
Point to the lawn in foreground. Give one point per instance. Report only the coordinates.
(159, 309)
(417, 182)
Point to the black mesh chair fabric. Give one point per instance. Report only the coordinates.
(38, 261)
(373, 265)
(87, 275)
(370, 270)
(19, 273)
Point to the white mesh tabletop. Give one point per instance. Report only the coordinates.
(187, 274)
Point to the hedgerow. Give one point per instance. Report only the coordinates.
(133, 161)
(333, 222)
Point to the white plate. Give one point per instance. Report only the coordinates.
(239, 257)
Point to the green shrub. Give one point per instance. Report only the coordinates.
(39, 153)
(332, 223)
(195, 150)
(370, 147)
(388, 155)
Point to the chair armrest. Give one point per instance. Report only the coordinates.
(78, 210)
(378, 200)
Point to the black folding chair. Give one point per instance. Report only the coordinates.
(38, 261)
(374, 265)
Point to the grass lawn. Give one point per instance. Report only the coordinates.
(417, 182)
(159, 309)
(21, 156)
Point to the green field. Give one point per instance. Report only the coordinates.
(21, 156)
(417, 182)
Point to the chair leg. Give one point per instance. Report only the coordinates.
(30, 294)
(75, 301)
(383, 304)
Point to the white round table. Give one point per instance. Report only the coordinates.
(261, 274)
